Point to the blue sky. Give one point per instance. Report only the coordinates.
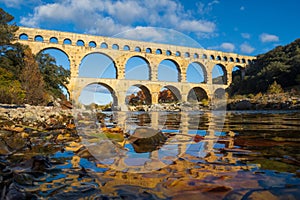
(247, 27)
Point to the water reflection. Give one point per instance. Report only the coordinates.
(254, 155)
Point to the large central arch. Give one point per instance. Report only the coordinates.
(169, 70)
(97, 65)
(137, 68)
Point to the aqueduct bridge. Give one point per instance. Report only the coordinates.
(78, 46)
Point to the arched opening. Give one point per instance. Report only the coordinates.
(196, 95)
(137, 68)
(204, 56)
(137, 49)
(187, 55)
(138, 95)
(168, 53)
(218, 58)
(126, 48)
(67, 41)
(212, 57)
(92, 44)
(219, 93)
(80, 43)
(225, 58)
(237, 74)
(148, 50)
(98, 95)
(169, 94)
(196, 73)
(158, 51)
(104, 45)
(196, 56)
(54, 62)
(178, 54)
(23, 36)
(53, 40)
(168, 70)
(38, 38)
(237, 60)
(231, 59)
(219, 75)
(97, 65)
(115, 47)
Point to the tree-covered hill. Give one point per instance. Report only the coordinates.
(279, 67)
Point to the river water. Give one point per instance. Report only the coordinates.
(203, 155)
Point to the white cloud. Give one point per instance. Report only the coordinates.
(227, 46)
(246, 35)
(246, 48)
(19, 3)
(108, 17)
(265, 37)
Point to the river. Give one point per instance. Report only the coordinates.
(195, 155)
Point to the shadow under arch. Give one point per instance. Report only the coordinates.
(219, 93)
(140, 95)
(90, 92)
(169, 94)
(137, 68)
(219, 74)
(196, 73)
(197, 94)
(97, 65)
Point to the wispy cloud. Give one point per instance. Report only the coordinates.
(246, 48)
(265, 37)
(109, 17)
(242, 8)
(19, 3)
(227, 46)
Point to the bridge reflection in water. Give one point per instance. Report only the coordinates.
(193, 133)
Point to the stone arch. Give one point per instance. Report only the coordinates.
(100, 65)
(197, 94)
(104, 45)
(196, 73)
(168, 53)
(126, 48)
(178, 54)
(186, 54)
(243, 60)
(238, 72)
(219, 93)
(115, 47)
(139, 96)
(219, 74)
(148, 50)
(158, 51)
(58, 49)
(204, 56)
(218, 58)
(67, 41)
(196, 56)
(212, 57)
(169, 90)
(91, 89)
(225, 58)
(80, 43)
(231, 59)
(237, 60)
(23, 36)
(166, 71)
(138, 64)
(92, 44)
(137, 49)
(53, 40)
(39, 38)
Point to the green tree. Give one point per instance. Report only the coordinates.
(55, 76)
